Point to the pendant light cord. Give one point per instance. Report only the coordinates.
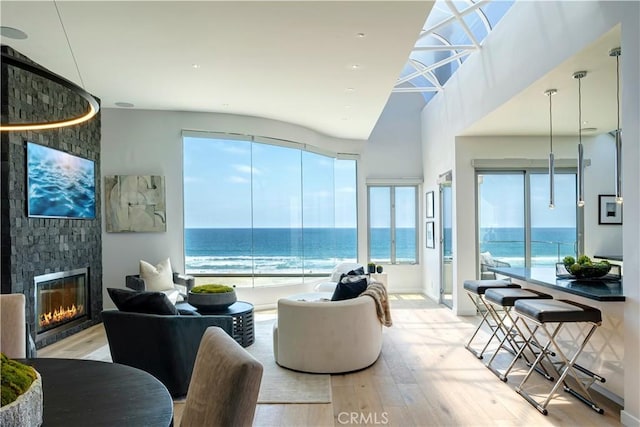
(550, 125)
(580, 110)
(66, 36)
(618, 94)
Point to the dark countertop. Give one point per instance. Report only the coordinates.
(611, 257)
(599, 290)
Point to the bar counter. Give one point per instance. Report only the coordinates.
(605, 352)
(599, 290)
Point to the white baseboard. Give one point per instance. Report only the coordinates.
(629, 420)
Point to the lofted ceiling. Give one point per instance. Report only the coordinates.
(328, 66)
(528, 112)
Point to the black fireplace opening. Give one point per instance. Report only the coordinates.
(61, 301)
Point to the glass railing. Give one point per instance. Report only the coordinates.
(543, 253)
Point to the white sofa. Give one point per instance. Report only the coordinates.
(318, 336)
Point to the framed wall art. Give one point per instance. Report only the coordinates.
(610, 212)
(134, 203)
(429, 205)
(430, 238)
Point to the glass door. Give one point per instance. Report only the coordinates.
(446, 244)
(516, 227)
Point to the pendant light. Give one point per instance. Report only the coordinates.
(616, 52)
(579, 75)
(550, 93)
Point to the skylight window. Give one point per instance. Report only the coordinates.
(453, 30)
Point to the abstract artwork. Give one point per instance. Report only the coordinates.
(135, 203)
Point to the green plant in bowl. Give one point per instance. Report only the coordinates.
(212, 297)
(16, 378)
(211, 289)
(585, 268)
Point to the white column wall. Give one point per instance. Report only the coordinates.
(532, 39)
(393, 153)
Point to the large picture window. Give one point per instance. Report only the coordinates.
(265, 212)
(393, 223)
(516, 227)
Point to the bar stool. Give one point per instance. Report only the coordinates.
(560, 312)
(504, 299)
(476, 290)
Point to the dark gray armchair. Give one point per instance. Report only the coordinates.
(183, 283)
(163, 345)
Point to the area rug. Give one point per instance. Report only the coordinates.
(280, 385)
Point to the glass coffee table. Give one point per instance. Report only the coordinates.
(242, 314)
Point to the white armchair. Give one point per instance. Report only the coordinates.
(339, 270)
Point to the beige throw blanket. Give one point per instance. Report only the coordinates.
(378, 292)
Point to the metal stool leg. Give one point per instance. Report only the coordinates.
(475, 290)
(560, 313)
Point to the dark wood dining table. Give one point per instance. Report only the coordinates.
(92, 393)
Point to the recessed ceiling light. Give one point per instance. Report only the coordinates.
(361, 35)
(195, 66)
(124, 104)
(13, 33)
(350, 89)
(355, 66)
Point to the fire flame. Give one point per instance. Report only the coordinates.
(60, 315)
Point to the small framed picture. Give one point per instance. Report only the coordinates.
(428, 200)
(430, 238)
(610, 211)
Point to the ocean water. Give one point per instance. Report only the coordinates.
(548, 245)
(318, 250)
(283, 250)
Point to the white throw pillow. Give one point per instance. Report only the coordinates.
(157, 278)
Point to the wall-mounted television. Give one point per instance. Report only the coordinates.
(59, 184)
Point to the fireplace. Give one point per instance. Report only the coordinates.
(61, 301)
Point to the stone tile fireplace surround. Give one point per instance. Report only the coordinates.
(39, 246)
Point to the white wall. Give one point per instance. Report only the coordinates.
(532, 39)
(138, 142)
(393, 153)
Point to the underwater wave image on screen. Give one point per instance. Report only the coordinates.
(59, 184)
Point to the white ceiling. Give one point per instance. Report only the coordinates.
(283, 60)
(528, 112)
(289, 61)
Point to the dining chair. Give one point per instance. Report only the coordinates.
(225, 383)
(13, 329)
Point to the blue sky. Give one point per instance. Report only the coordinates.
(502, 196)
(224, 178)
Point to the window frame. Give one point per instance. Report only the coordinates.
(302, 147)
(526, 173)
(392, 218)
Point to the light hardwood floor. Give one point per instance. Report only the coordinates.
(424, 377)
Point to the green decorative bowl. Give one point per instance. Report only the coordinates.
(211, 301)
